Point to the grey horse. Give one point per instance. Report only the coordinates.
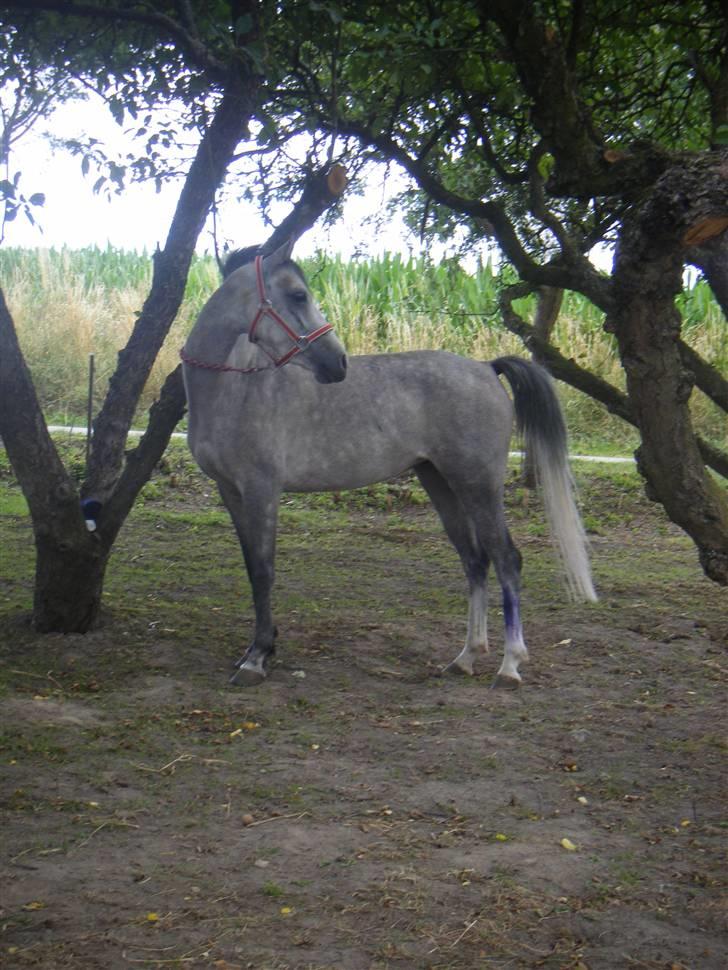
(259, 428)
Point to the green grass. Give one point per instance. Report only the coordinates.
(68, 304)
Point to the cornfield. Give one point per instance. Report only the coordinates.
(68, 304)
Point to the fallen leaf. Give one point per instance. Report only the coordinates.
(36, 904)
(286, 910)
(568, 845)
(152, 917)
(499, 837)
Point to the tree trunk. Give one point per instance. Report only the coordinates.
(647, 277)
(69, 580)
(70, 561)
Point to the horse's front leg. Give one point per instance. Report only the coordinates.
(254, 511)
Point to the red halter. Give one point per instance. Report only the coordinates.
(265, 308)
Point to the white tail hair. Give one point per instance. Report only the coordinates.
(541, 422)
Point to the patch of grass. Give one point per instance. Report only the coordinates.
(38, 742)
(273, 890)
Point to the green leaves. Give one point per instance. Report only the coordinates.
(13, 203)
(720, 135)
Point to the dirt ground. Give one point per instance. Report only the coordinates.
(359, 811)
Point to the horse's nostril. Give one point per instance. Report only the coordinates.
(343, 362)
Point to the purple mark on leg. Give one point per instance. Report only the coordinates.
(515, 649)
(511, 613)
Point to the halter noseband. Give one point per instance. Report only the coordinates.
(301, 342)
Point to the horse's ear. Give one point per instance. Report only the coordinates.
(280, 255)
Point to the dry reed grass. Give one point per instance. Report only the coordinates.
(69, 304)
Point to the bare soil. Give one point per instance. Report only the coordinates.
(359, 811)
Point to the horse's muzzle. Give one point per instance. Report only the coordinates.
(326, 373)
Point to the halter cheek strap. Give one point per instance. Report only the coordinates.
(301, 342)
(265, 309)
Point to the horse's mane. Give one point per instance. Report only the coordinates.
(241, 257)
(238, 258)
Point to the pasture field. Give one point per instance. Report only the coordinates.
(359, 811)
(68, 304)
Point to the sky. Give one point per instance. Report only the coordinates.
(139, 219)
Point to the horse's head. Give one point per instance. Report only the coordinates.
(284, 320)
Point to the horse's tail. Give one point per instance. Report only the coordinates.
(541, 423)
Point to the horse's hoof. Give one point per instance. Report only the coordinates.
(504, 682)
(248, 676)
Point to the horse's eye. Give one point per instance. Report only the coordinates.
(298, 296)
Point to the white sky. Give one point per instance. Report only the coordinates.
(140, 217)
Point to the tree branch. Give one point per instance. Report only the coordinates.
(578, 275)
(190, 43)
(584, 168)
(321, 191)
(711, 257)
(40, 472)
(708, 378)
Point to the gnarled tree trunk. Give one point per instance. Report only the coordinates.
(647, 277)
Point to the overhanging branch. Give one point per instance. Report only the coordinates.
(577, 274)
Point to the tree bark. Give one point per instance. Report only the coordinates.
(321, 190)
(708, 378)
(70, 560)
(647, 277)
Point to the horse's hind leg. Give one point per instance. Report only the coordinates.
(254, 514)
(483, 506)
(515, 651)
(474, 560)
